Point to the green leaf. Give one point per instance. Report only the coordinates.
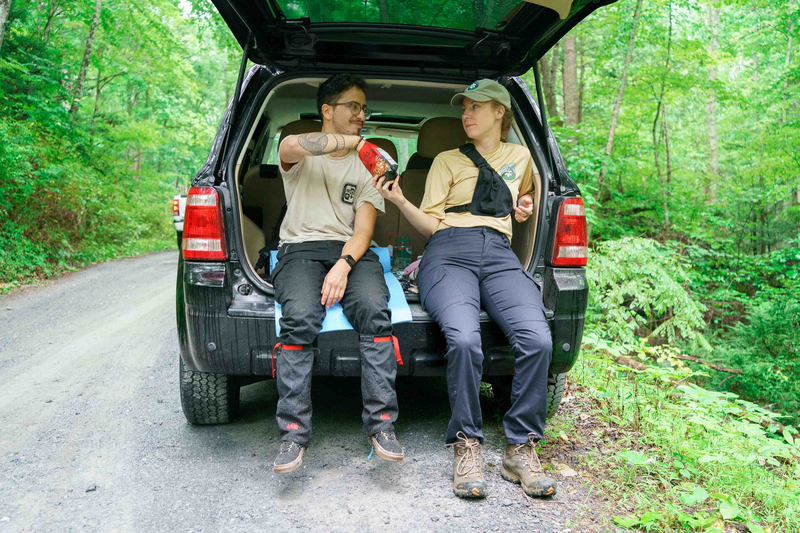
(650, 517)
(635, 458)
(729, 510)
(698, 495)
(788, 437)
(754, 528)
(626, 521)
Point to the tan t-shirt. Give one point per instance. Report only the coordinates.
(452, 179)
(323, 194)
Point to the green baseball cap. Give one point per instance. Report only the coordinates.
(483, 91)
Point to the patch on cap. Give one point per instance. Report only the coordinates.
(473, 86)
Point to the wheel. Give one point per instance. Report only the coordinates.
(555, 391)
(208, 398)
(180, 239)
(501, 390)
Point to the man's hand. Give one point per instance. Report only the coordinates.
(524, 208)
(335, 283)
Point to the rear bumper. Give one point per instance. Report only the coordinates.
(178, 223)
(222, 334)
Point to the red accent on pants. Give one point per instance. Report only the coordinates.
(283, 347)
(396, 346)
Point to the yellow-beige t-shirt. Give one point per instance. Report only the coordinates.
(452, 179)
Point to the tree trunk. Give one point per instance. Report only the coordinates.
(384, 8)
(53, 10)
(87, 54)
(548, 88)
(787, 62)
(5, 7)
(659, 113)
(477, 12)
(582, 68)
(712, 137)
(618, 103)
(569, 78)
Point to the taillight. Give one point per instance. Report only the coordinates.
(203, 230)
(176, 207)
(570, 246)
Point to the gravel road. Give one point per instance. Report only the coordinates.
(92, 437)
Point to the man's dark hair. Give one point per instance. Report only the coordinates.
(331, 89)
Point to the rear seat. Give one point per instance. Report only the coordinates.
(437, 135)
(386, 226)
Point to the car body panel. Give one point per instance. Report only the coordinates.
(224, 329)
(311, 43)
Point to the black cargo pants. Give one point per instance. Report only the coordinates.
(298, 279)
(466, 268)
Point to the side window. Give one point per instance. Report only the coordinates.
(405, 149)
(272, 150)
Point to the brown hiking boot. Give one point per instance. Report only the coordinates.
(521, 465)
(468, 479)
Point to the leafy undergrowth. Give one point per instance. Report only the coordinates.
(668, 455)
(38, 268)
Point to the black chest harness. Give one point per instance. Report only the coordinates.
(492, 197)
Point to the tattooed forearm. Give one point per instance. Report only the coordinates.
(339, 141)
(314, 143)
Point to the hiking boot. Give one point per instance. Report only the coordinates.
(386, 446)
(521, 465)
(290, 457)
(468, 479)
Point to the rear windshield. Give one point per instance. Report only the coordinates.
(455, 14)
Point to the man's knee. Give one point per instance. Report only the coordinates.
(371, 315)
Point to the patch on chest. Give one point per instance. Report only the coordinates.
(348, 193)
(508, 172)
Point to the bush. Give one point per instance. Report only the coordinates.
(639, 288)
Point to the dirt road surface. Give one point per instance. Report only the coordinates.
(92, 436)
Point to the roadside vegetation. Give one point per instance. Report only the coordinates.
(107, 108)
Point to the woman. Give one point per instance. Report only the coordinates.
(468, 264)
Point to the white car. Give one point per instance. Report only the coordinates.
(178, 209)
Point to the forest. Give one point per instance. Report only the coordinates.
(678, 119)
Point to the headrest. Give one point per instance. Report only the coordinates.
(386, 145)
(299, 126)
(417, 162)
(439, 135)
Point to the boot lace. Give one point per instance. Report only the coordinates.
(470, 462)
(286, 447)
(527, 451)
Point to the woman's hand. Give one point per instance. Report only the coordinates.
(524, 208)
(390, 191)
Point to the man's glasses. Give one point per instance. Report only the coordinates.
(355, 108)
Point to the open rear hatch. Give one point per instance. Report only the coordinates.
(465, 38)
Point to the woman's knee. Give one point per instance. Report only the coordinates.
(534, 341)
(464, 342)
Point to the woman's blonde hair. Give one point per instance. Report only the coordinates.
(508, 120)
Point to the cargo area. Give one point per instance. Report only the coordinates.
(412, 121)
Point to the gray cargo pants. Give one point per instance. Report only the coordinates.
(462, 269)
(298, 279)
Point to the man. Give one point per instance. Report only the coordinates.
(324, 258)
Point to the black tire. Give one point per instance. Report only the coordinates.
(555, 391)
(501, 390)
(180, 239)
(208, 398)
